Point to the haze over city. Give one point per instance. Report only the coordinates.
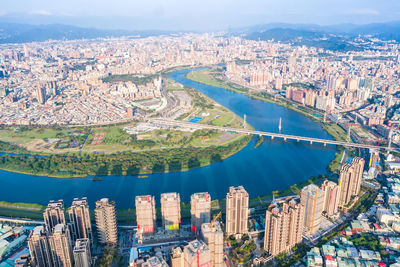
(199, 134)
(196, 15)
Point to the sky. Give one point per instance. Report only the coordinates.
(196, 15)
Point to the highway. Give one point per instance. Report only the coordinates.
(285, 137)
(19, 221)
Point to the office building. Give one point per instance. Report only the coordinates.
(82, 254)
(54, 214)
(200, 209)
(61, 246)
(312, 199)
(350, 181)
(197, 253)
(237, 211)
(331, 199)
(39, 247)
(171, 211)
(79, 218)
(106, 222)
(145, 215)
(213, 236)
(283, 227)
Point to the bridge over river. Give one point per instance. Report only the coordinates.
(285, 137)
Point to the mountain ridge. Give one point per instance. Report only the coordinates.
(25, 33)
(331, 37)
(284, 32)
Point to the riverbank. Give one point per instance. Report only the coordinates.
(127, 163)
(208, 77)
(34, 211)
(45, 174)
(254, 168)
(70, 153)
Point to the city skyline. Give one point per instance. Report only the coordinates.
(201, 16)
(200, 133)
(286, 222)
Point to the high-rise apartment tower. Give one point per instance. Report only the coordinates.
(200, 209)
(106, 222)
(79, 218)
(54, 214)
(61, 246)
(312, 199)
(171, 211)
(145, 215)
(39, 247)
(213, 236)
(237, 211)
(82, 254)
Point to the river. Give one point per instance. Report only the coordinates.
(274, 165)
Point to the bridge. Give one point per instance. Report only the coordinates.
(285, 137)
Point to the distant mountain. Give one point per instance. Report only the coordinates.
(316, 38)
(384, 31)
(374, 29)
(270, 26)
(285, 34)
(332, 37)
(24, 33)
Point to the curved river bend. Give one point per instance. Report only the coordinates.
(272, 166)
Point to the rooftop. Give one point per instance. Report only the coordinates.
(196, 246)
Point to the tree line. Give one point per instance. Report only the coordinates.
(124, 163)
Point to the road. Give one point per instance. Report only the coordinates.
(20, 221)
(285, 137)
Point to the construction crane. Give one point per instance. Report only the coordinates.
(211, 227)
(215, 218)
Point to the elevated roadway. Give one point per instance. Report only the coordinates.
(285, 137)
(19, 221)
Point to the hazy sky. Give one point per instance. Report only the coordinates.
(196, 15)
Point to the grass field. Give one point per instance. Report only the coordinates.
(22, 135)
(336, 131)
(21, 210)
(116, 139)
(204, 76)
(223, 120)
(26, 206)
(113, 139)
(218, 115)
(335, 163)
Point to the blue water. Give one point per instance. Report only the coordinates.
(195, 119)
(272, 166)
